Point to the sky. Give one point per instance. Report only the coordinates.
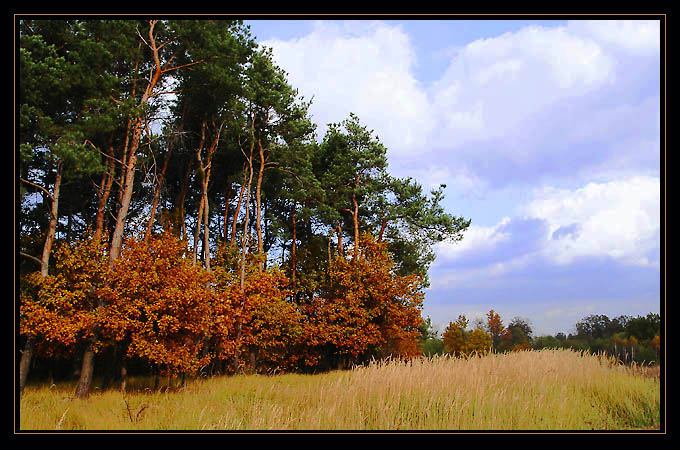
(546, 134)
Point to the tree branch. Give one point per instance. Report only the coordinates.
(39, 187)
(31, 257)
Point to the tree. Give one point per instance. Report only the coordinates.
(368, 309)
(521, 333)
(64, 108)
(158, 305)
(133, 132)
(462, 342)
(499, 334)
(430, 343)
(413, 223)
(644, 327)
(351, 164)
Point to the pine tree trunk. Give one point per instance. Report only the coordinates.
(227, 200)
(292, 249)
(258, 201)
(232, 240)
(25, 363)
(340, 251)
(157, 193)
(52, 228)
(179, 201)
(87, 369)
(355, 219)
(127, 188)
(206, 230)
(197, 231)
(27, 353)
(104, 192)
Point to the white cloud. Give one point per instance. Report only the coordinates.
(630, 35)
(619, 219)
(365, 68)
(476, 238)
(574, 100)
(494, 84)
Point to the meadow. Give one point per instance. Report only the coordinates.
(527, 390)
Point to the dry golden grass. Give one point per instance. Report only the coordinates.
(535, 390)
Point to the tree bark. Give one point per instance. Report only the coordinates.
(25, 363)
(201, 172)
(121, 219)
(157, 192)
(293, 246)
(27, 353)
(258, 202)
(244, 244)
(355, 219)
(232, 240)
(207, 170)
(206, 232)
(52, 228)
(87, 369)
(179, 201)
(227, 200)
(103, 193)
(382, 230)
(340, 251)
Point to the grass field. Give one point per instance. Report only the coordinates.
(534, 390)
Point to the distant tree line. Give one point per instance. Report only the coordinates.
(627, 338)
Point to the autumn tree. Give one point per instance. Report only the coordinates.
(368, 310)
(57, 310)
(65, 110)
(500, 336)
(521, 334)
(460, 341)
(158, 305)
(137, 136)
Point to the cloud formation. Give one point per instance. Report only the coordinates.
(569, 115)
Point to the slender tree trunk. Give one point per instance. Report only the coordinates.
(197, 231)
(202, 175)
(157, 193)
(104, 192)
(244, 245)
(225, 226)
(340, 251)
(206, 231)
(27, 353)
(258, 202)
(123, 374)
(52, 227)
(382, 230)
(25, 363)
(330, 239)
(179, 201)
(87, 370)
(355, 219)
(293, 247)
(207, 169)
(232, 240)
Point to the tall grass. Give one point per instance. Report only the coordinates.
(533, 390)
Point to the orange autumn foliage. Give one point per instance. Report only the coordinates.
(61, 308)
(159, 307)
(160, 303)
(368, 309)
(269, 321)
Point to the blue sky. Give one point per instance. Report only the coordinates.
(546, 133)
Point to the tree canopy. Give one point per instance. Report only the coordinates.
(179, 211)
